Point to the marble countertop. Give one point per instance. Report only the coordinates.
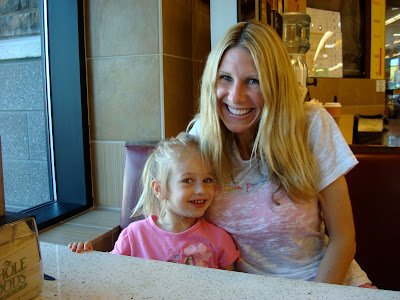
(99, 275)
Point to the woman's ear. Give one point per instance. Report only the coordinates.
(156, 187)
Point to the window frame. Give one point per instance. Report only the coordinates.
(69, 110)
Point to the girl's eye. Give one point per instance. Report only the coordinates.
(208, 180)
(188, 180)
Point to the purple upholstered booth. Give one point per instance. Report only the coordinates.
(136, 153)
(374, 188)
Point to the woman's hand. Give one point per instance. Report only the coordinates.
(338, 217)
(80, 246)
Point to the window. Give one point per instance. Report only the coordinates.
(64, 74)
(22, 110)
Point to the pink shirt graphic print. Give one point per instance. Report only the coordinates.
(203, 244)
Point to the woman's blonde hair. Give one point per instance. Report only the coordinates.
(281, 139)
(158, 167)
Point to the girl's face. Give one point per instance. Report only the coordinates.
(191, 189)
(240, 102)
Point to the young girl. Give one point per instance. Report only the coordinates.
(178, 187)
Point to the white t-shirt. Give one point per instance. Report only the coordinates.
(285, 240)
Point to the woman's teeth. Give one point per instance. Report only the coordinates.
(238, 112)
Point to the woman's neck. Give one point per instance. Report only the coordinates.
(244, 142)
(175, 225)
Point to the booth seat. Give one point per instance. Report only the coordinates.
(374, 187)
(136, 153)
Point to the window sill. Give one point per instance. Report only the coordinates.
(99, 225)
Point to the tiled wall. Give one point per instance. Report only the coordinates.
(357, 96)
(186, 43)
(144, 60)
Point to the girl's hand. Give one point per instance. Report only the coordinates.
(78, 247)
(368, 286)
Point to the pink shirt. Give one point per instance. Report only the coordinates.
(286, 240)
(204, 244)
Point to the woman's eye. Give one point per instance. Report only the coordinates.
(188, 180)
(254, 81)
(208, 180)
(225, 77)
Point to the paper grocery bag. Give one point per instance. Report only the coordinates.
(21, 271)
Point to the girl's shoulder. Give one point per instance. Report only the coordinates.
(211, 227)
(139, 224)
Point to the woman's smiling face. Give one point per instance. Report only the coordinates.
(240, 102)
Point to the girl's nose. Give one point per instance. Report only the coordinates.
(237, 93)
(199, 188)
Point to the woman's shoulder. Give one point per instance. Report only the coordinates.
(319, 121)
(314, 113)
(195, 127)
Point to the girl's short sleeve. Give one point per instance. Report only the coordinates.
(123, 246)
(328, 145)
(229, 253)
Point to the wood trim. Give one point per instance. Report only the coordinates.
(2, 200)
(295, 6)
(367, 58)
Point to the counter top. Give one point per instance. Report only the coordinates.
(106, 276)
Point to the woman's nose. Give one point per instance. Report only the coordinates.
(237, 93)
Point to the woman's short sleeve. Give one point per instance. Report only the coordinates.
(328, 145)
(196, 129)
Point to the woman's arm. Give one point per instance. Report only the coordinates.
(231, 267)
(338, 216)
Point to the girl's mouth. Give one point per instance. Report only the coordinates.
(198, 203)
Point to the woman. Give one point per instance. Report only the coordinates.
(283, 163)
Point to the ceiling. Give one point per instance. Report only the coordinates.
(392, 9)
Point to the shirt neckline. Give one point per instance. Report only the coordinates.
(152, 219)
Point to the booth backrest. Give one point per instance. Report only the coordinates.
(136, 153)
(374, 187)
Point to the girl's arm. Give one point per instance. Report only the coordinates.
(338, 217)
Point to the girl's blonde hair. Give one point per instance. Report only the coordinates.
(281, 138)
(158, 167)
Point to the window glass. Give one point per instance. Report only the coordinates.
(23, 129)
(43, 109)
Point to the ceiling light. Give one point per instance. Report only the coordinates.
(391, 20)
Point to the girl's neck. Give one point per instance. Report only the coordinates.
(175, 225)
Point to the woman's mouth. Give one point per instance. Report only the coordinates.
(237, 111)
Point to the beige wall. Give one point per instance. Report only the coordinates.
(186, 43)
(144, 60)
(357, 95)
